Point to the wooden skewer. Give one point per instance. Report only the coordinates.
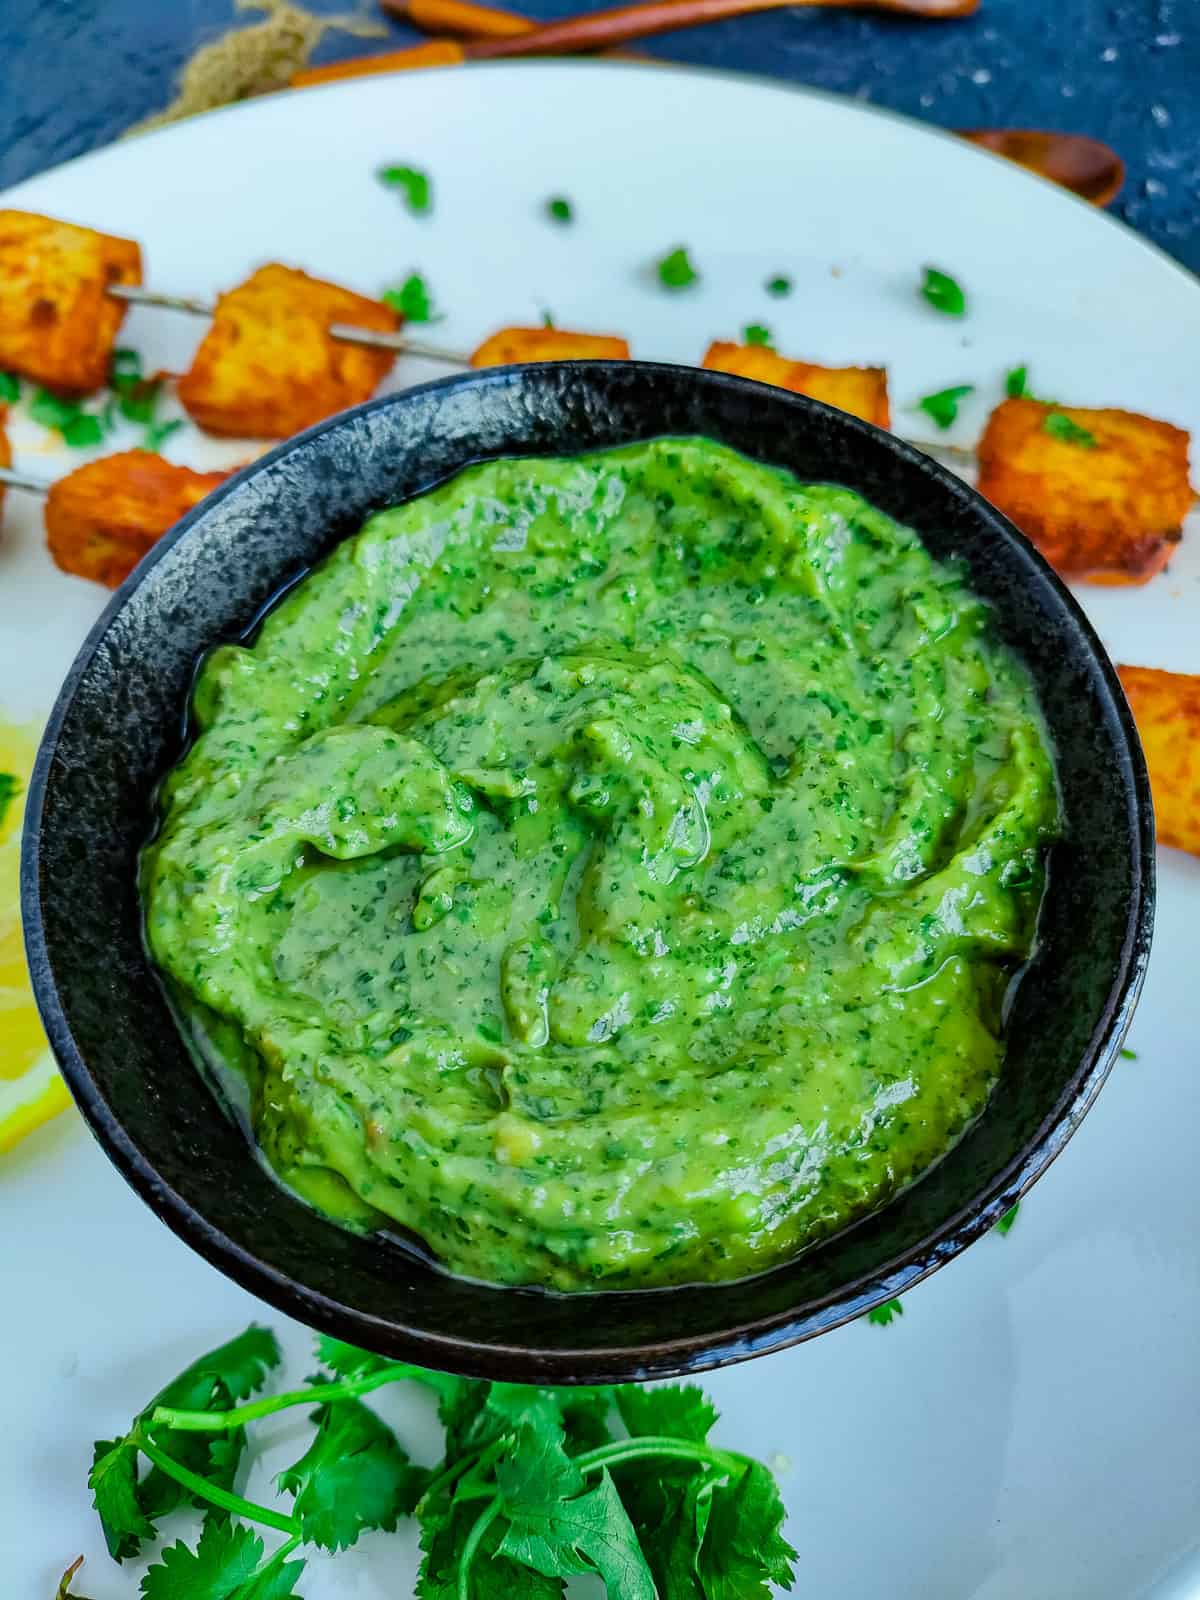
(18, 480)
(398, 341)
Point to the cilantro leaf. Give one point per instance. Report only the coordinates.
(79, 428)
(114, 1486)
(412, 299)
(887, 1312)
(1059, 426)
(347, 1360)
(239, 1367)
(560, 209)
(547, 318)
(944, 293)
(137, 395)
(415, 184)
(943, 406)
(83, 431)
(743, 1552)
(225, 1558)
(1004, 1226)
(562, 1537)
(1126, 1054)
(1016, 383)
(669, 1504)
(273, 1582)
(353, 1476)
(10, 388)
(675, 270)
(10, 788)
(50, 410)
(779, 286)
(157, 434)
(446, 1524)
(755, 333)
(681, 1411)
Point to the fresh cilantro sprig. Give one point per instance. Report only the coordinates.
(80, 429)
(534, 1487)
(416, 186)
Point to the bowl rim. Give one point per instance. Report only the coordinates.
(747, 1337)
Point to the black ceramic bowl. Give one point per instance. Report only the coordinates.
(118, 726)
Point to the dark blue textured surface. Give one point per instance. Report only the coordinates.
(74, 73)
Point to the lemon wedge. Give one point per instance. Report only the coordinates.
(31, 1091)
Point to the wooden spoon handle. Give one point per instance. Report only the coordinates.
(1085, 166)
(463, 19)
(602, 29)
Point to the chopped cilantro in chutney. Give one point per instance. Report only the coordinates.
(609, 869)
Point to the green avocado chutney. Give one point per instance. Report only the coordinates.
(609, 870)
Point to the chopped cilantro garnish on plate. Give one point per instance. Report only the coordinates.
(880, 1316)
(415, 185)
(1126, 1053)
(755, 333)
(412, 299)
(79, 428)
(158, 433)
(1006, 1221)
(1016, 383)
(675, 270)
(560, 209)
(943, 406)
(779, 286)
(1060, 426)
(943, 292)
(10, 388)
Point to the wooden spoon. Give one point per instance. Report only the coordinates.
(1085, 166)
(597, 30)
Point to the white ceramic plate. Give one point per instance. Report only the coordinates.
(1029, 1427)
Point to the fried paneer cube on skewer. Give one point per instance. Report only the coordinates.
(862, 391)
(58, 323)
(1166, 708)
(512, 346)
(1102, 493)
(102, 518)
(268, 366)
